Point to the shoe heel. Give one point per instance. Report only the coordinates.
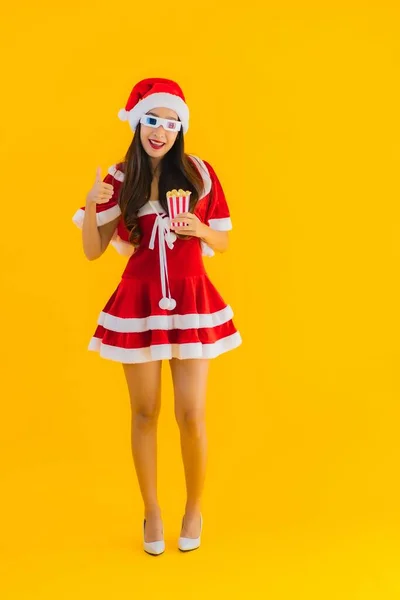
(153, 548)
(188, 544)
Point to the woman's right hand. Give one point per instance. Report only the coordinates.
(101, 192)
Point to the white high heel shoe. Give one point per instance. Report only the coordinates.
(154, 548)
(186, 544)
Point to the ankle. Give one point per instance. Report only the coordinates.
(192, 510)
(152, 511)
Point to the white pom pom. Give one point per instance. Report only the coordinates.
(123, 114)
(167, 303)
(164, 303)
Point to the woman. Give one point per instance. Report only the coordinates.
(165, 306)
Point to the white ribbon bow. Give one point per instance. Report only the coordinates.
(165, 236)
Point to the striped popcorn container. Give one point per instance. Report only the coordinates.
(178, 202)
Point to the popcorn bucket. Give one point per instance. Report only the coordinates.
(178, 202)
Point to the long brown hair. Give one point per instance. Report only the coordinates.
(177, 171)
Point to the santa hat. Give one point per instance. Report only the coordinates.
(155, 93)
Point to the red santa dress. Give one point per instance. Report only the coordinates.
(193, 320)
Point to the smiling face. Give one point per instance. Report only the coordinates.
(157, 141)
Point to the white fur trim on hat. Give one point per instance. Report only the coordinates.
(157, 100)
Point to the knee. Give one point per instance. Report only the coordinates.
(191, 423)
(145, 417)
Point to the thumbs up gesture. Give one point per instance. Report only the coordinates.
(101, 192)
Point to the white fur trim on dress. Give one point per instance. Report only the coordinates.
(101, 217)
(206, 250)
(204, 174)
(165, 351)
(157, 100)
(116, 173)
(165, 322)
(148, 210)
(224, 224)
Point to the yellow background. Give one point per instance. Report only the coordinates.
(296, 107)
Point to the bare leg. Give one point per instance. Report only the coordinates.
(144, 384)
(190, 383)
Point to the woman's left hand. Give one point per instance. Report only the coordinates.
(192, 225)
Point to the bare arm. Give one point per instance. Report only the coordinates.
(217, 240)
(96, 239)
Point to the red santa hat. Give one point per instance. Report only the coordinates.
(155, 93)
